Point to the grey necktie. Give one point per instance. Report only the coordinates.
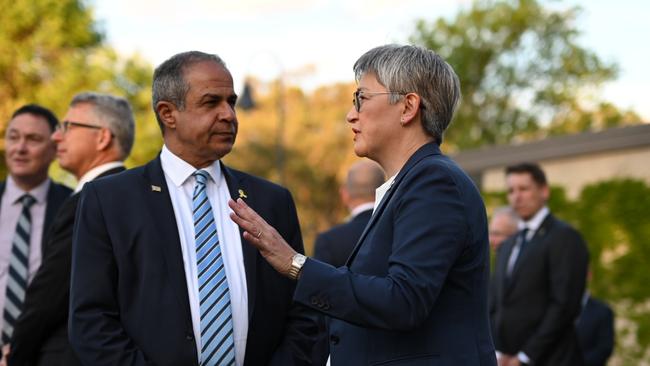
(18, 269)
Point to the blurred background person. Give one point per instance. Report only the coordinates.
(502, 226)
(93, 141)
(539, 279)
(358, 195)
(29, 201)
(595, 328)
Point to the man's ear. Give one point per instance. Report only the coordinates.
(166, 113)
(411, 108)
(105, 138)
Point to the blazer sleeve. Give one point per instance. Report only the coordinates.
(568, 259)
(95, 331)
(46, 299)
(430, 231)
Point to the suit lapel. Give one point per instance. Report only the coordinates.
(529, 248)
(159, 206)
(424, 151)
(239, 188)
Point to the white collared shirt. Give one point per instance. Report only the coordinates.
(9, 213)
(381, 191)
(180, 182)
(96, 172)
(361, 208)
(534, 223)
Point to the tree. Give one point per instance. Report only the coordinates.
(55, 50)
(521, 70)
(317, 148)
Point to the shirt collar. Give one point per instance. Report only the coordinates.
(536, 221)
(360, 208)
(380, 192)
(14, 193)
(96, 172)
(179, 171)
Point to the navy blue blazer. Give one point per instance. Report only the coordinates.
(335, 245)
(595, 329)
(414, 291)
(128, 300)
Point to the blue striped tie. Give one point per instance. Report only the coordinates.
(18, 269)
(217, 342)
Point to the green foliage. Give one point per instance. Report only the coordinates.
(54, 51)
(612, 217)
(521, 69)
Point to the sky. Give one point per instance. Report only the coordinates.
(315, 42)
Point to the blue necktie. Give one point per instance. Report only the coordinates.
(18, 269)
(217, 342)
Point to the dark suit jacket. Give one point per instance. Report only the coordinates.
(41, 331)
(535, 310)
(56, 194)
(129, 303)
(414, 291)
(596, 332)
(335, 245)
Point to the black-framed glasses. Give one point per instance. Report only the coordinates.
(359, 93)
(65, 126)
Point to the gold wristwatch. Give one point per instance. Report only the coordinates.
(297, 262)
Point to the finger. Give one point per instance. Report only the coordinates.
(248, 226)
(242, 209)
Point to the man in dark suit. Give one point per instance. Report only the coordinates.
(92, 142)
(414, 290)
(539, 279)
(160, 275)
(28, 154)
(595, 328)
(358, 194)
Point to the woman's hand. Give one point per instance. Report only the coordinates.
(263, 236)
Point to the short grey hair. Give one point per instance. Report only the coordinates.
(508, 212)
(169, 84)
(413, 69)
(114, 113)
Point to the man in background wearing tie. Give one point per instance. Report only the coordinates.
(160, 274)
(94, 139)
(29, 201)
(358, 194)
(539, 279)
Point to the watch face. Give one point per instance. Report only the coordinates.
(300, 259)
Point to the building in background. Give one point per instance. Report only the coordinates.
(571, 162)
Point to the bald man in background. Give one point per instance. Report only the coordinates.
(502, 226)
(358, 194)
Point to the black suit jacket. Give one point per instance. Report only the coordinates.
(335, 245)
(536, 308)
(596, 332)
(129, 303)
(41, 331)
(414, 290)
(56, 194)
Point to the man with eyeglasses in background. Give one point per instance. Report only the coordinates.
(29, 201)
(94, 139)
